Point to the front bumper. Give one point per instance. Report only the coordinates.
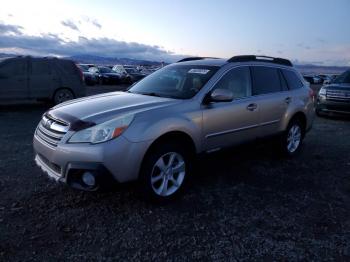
(118, 160)
(326, 106)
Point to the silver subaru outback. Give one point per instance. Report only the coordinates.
(153, 132)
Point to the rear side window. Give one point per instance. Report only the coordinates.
(13, 67)
(284, 84)
(40, 67)
(265, 80)
(292, 79)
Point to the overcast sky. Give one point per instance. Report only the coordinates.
(312, 31)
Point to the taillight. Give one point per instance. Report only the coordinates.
(312, 93)
(80, 73)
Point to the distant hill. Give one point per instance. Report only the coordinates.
(5, 56)
(90, 59)
(315, 69)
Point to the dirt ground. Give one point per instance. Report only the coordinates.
(246, 204)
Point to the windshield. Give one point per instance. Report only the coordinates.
(343, 78)
(105, 70)
(84, 68)
(175, 81)
(131, 70)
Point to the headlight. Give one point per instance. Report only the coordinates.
(322, 92)
(103, 132)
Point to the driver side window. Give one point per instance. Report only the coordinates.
(238, 81)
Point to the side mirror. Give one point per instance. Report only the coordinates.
(220, 95)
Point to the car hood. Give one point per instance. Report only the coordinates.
(338, 86)
(100, 108)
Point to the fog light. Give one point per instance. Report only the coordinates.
(88, 179)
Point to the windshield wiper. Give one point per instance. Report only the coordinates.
(150, 94)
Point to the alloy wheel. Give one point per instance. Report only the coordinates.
(168, 174)
(63, 96)
(294, 138)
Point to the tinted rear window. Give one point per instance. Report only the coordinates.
(40, 67)
(292, 79)
(265, 80)
(66, 66)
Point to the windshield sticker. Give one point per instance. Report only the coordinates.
(198, 71)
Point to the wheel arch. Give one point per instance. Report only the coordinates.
(173, 136)
(178, 136)
(301, 116)
(61, 88)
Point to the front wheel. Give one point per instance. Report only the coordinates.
(292, 138)
(165, 172)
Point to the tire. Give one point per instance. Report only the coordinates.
(165, 172)
(318, 112)
(292, 138)
(129, 81)
(62, 95)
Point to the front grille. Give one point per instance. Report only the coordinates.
(338, 95)
(51, 131)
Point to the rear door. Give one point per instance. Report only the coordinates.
(14, 79)
(230, 123)
(41, 78)
(273, 97)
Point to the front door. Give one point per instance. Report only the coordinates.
(230, 123)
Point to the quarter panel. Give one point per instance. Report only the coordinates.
(301, 102)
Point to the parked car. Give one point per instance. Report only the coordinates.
(28, 78)
(330, 79)
(105, 75)
(324, 77)
(146, 71)
(313, 79)
(90, 78)
(119, 69)
(335, 97)
(134, 74)
(152, 132)
(125, 76)
(88, 65)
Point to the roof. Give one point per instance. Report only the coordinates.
(207, 62)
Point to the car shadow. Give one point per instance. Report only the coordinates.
(335, 117)
(27, 107)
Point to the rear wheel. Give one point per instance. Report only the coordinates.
(292, 138)
(62, 95)
(165, 172)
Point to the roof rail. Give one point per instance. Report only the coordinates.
(268, 59)
(195, 58)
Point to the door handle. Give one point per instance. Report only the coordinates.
(252, 107)
(288, 100)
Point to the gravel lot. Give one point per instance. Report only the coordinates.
(246, 204)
